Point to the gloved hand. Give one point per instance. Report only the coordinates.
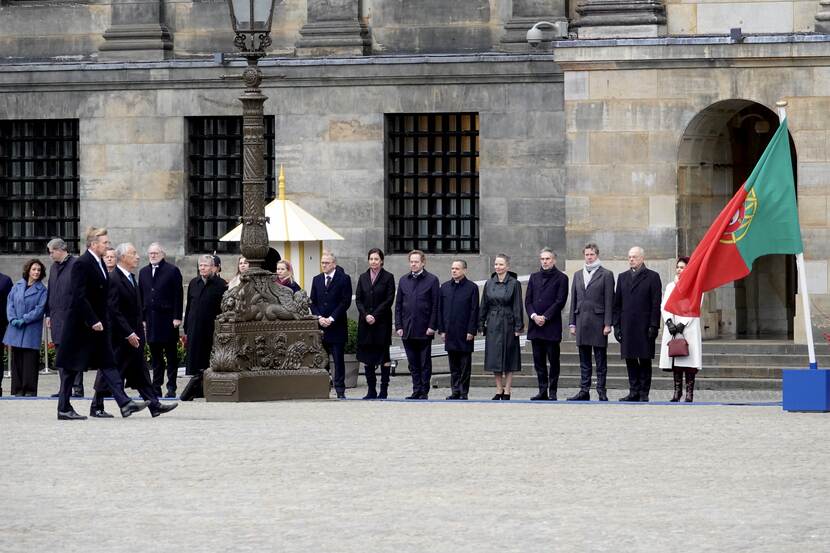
(17, 323)
(671, 327)
(618, 333)
(680, 328)
(652, 332)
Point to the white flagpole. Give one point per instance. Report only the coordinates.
(802, 276)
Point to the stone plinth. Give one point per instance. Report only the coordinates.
(137, 32)
(527, 13)
(823, 17)
(333, 28)
(266, 385)
(621, 19)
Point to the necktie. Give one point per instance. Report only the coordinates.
(154, 271)
(328, 281)
(132, 280)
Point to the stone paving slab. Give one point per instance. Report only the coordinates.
(343, 476)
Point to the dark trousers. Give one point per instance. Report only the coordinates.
(109, 381)
(109, 377)
(338, 377)
(546, 353)
(24, 371)
(639, 376)
(419, 356)
(143, 386)
(460, 367)
(585, 369)
(158, 352)
(372, 379)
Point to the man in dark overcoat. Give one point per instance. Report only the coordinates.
(592, 311)
(85, 340)
(204, 304)
(636, 322)
(5, 287)
(457, 326)
(416, 318)
(128, 331)
(162, 296)
(59, 300)
(331, 296)
(547, 292)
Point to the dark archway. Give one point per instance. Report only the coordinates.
(717, 153)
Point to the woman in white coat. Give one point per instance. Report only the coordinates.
(688, 328)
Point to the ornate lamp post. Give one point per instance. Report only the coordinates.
(266, 343)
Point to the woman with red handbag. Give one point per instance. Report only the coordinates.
(681, 345)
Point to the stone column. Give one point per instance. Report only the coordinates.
(823, 17)
(621, 19)
(525, 14)
(137, 32)
(333, 28)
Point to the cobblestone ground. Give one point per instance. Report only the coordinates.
(342, 476)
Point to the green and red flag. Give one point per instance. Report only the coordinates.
(761, 219)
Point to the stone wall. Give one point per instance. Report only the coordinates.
(754, 16)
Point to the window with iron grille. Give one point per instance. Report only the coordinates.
(215, 170)
(432, 182)
(39, 188)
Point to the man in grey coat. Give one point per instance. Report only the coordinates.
(60, 299)
(592, 307)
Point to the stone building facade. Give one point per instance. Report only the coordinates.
(428, 123)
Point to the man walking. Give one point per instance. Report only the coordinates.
(59, 300)
(592, 310)
(162, 298)
(547, 292)
(636, 321)
(331, 296)
(204, 303)
(457, 326)
(85, 340)
(416, 318)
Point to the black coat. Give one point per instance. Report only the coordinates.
(81, 347)
(416, 307)
(333, 302)
(162, 297)
(636, 308)
(546, 295)
(126, 319)
(592, 307)
(204, 303)
(375, 300)
(500, 318)
(5, 287)
(60, 296)
(458, 314)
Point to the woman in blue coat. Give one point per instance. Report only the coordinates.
(24, 310)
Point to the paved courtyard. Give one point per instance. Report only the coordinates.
(341, 476)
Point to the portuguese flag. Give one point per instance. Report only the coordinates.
(761, 219)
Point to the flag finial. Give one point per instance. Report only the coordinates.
(282, 182)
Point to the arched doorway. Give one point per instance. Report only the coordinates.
(717, 153)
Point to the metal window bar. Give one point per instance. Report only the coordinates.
(433, 182)
(39, 184)
(215, 180)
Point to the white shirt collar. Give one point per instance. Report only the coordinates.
(127, 273)
(331, 274)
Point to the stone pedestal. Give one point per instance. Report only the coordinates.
(137, 32)
(527, 13)
(333, 28)
(621, 19)
(823, 17)
(266, 385)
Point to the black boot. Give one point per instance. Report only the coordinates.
(690, 385)
(678, 385)
(384, 381)
(371, 382)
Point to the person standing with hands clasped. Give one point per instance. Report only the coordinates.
(24, 310)
(683, 327)
(457, 325)
(373, 298)
(501, 321)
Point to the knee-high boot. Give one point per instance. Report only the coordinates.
(678, 385)
(371, 382)
(690, 385)
(384, 381)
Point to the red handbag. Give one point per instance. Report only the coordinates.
(678, 347)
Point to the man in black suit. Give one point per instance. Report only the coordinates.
(636, 322)
(457, 326)
(86, 339)
(416, 318)
(161, 291)
(60, 299)
(331, 296)
(128, 333)
(204, 303)
(5, 288)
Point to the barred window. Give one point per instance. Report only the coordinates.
(39, 185)
(432, 182)
(215, 175)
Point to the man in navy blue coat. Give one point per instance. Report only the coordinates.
(5, 288)
(162, 296)
(331, 296)
(416, 318)
(457, 325)
(547, 292)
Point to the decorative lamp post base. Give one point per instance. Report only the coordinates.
(807, 390)
(266, 385)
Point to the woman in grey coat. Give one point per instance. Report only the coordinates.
(501, 322)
